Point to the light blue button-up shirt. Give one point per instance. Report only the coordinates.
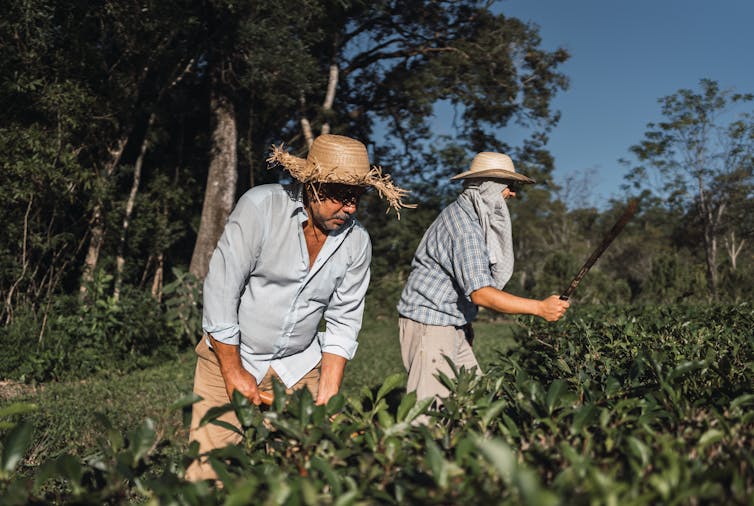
(261, 295)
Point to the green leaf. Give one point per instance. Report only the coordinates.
(493, 411)
(408, 401)
(639, 450)
(418, 409)
(242, 494)
(391, 383)
(500, 456)
(15, 445)
(186, 401)
(710, 437)
(557, 395)
(585, 415)
(436, 463)
(332, 478)
(742, 400)
(336, 404)
(17, 408)
(141, 439)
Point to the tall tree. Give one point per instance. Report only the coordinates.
(702, 153)
(258, 57)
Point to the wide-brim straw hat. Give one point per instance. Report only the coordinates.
(339, 159)
(488, 165)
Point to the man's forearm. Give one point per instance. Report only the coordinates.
(233, 372)
(228, 355)
(331, 376)
(504, 302)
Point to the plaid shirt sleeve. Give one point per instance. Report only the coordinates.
(470, 261)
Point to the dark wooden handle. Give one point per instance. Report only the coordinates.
(611, 235)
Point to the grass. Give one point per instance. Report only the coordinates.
(67, 421)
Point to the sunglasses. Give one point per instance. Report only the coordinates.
(345, 194)
(514, 188)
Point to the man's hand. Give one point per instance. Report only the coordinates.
(235, 376)
(331, 376)
(244, 382)
(552, 308)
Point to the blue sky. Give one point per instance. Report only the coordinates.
(625, 55)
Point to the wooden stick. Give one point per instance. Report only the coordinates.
(267, 397)
(632, 206)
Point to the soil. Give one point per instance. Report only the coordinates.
(10, 389)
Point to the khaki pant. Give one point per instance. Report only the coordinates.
(422, 350)
(210, 385)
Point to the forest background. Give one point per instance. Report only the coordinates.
(129, 129)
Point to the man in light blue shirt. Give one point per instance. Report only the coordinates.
(289, 257)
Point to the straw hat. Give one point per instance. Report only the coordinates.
(490, 165)
(339, 159)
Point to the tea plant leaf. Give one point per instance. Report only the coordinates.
(742, 401)
(330, 476)
(142, 439)
(436, 463)
(418, 409)
(557, 396)
(711, 436)
(408, 402)
(15, 445)
(584, 416)
(684, 368)
(18, 408)
(391, 383)
(336, 404)
(500, 455)
(639, 450)
(186, 401)
(242, 494)
(493, 411)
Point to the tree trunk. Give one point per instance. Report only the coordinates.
(220, 192)
(332, 84)
(733, 247)
(97, 221)
(710, 239)
(158, 278)
(306, 127)
(120, 260)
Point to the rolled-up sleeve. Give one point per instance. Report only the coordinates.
(230, 265)
(471, 268)
(344, 313)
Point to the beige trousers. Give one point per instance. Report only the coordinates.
(210, 385)
(422, 350)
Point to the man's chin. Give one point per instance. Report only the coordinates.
(336, 224)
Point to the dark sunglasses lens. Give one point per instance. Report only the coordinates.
(343, 193)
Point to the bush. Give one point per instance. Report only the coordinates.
(610, 406)
(98, 336)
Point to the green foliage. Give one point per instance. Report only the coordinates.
(98, 336)
(614, 405)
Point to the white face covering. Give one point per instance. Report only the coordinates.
(488, 202)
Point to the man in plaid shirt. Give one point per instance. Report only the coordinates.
(463, 261)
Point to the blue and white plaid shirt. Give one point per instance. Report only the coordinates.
(450, 263)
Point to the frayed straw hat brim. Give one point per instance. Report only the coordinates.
(338, 159)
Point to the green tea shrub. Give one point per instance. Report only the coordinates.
(612, 405)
